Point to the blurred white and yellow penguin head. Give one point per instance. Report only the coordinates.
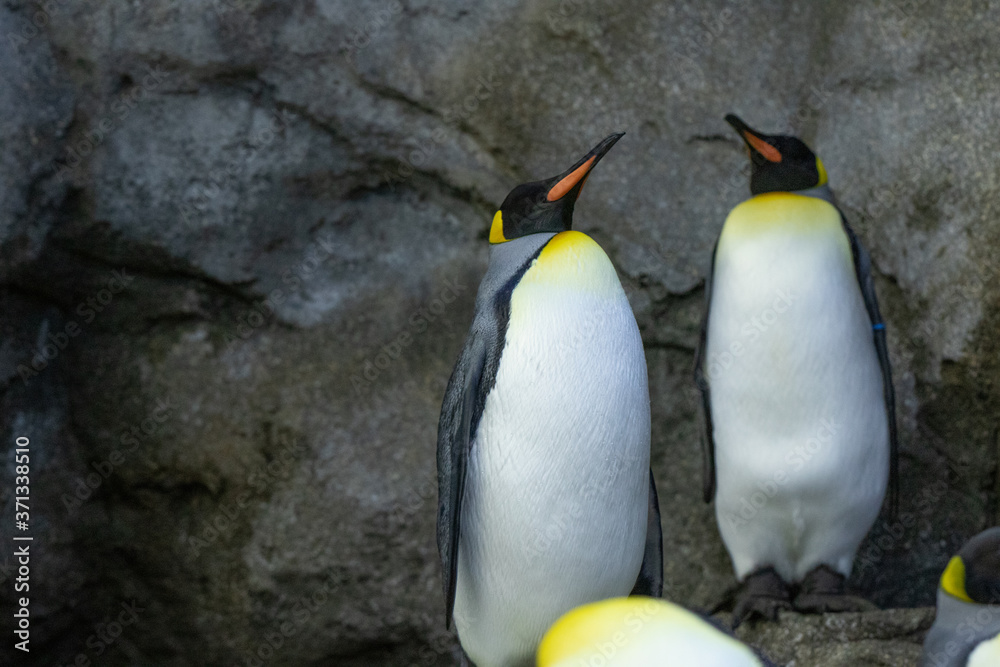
(639, 632)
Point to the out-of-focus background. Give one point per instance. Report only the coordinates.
(240, 242)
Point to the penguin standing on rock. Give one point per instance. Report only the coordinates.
(966, 630)
(545, 496)
(796, 388)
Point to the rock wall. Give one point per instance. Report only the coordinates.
(240, 242)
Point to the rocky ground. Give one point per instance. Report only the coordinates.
(888, 638)
(239, 247)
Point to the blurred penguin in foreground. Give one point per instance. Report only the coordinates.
(966, 630)
(641, 632)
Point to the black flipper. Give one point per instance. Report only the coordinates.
(863, 270)
(454, 444)
(707, 443)
(464, 402)
(650, 580)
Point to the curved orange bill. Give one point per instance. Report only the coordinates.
(754, 139)
(577, 174)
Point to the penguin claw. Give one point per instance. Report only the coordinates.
(825, 590)
(761, 606)
(764, 593)
(819, 603)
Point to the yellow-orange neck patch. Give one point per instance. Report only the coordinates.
(822, 172)
(496, 229)
(953, 580)
(573, 259)
(786, 212)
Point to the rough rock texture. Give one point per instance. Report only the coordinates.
(240, 242)
(888, 638)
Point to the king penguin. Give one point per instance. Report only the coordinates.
(966, 630)
(545, 496)
(796, 388)
(641, 632)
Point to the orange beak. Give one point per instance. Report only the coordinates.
(754, 139)
(577, 174)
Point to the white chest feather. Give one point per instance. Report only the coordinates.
(554, 513)
(800, 427)
(986, 654)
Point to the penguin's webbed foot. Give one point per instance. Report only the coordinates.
(825, 590)
(763, 593)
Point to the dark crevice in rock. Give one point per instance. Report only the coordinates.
(712, 138)
(237, 289)
(668, 345)
(389, 93)
(243, 77)
(177, 489)
(418, 181)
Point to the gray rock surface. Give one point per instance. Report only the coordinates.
(265, 223)
(887, 638)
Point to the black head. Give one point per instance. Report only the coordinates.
(546, 206)
(780, 163)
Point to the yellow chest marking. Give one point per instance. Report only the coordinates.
(572, 260)
(785, 214)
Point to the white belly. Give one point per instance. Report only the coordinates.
(801, 433)
(555, 506)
